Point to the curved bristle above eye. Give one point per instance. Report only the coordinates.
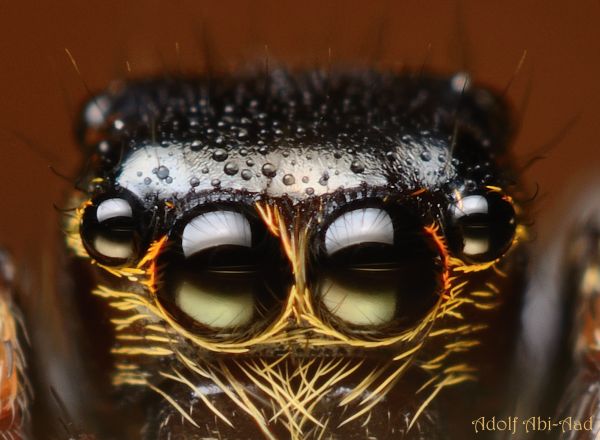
(216, 228)
(367, 225)
(113, 208)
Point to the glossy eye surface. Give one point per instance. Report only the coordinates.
(368, 225)
(217, 228)
(223, 272)
(483, 227)
(110, 233)
(379, 269)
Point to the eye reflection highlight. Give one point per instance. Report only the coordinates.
(359, 302)
(217, 302)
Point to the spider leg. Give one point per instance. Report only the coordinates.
(556, 373)
(14, 388)
(581, 401)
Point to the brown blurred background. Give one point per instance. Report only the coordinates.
(40, 89)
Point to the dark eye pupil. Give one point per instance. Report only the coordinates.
(224, 258)
(364, 255)
(485, 233)
(117, 225)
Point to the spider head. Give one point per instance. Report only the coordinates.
(295, 249)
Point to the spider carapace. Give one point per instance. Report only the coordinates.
(296, 255)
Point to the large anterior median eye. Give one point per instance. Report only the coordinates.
(222, 273)
(379, 269)
(483, 227)
(110, 231)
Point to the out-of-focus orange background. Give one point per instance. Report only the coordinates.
(40, 89)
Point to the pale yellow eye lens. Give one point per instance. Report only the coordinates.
(216, 307)
(476, 245)
(113, 248)
(357, 305)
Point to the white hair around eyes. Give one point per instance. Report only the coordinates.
(113, 208)
(215, 228)
(365, 225)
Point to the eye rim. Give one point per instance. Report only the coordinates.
(455, 233)
(139, 228)
(171, 254)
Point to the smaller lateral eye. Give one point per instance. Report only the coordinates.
(110, 233)
(483, 227)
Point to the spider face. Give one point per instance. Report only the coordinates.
(299, 256)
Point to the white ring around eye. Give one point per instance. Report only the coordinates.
(367, 225)
(113, 208)
(216, 228)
